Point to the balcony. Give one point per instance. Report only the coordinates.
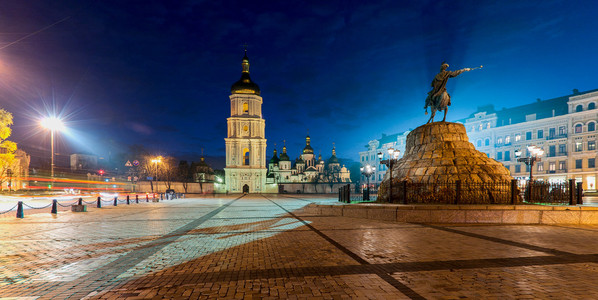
(554, 137)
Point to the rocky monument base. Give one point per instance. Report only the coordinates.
(440, 153)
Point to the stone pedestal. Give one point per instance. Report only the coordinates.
(78, 208)
(440, 152)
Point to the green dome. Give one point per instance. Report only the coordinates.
(283, 155)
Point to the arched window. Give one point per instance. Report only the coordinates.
(591, 126)
(579, 108)
(246, 157)
(245, 108)
(592, 105)
(479, 143)
(487, 142)
(578, 128)
(507, 139)
(499, 140)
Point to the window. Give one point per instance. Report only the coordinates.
(528, 135)
(578, 163)
(591, 162)
(517, 168)
(517, 137)
(479, 143)
(552, 166)
(499, 156)
(540, 134)
(245, 108)
(592, 126)
(246, 157)
(507, 156)
(562, 130)
(362, 158)
(562, 165)
(578, 128)
(481, 127)
(551, 133)
(551, 150)
(591, 145)
(578, 146)
(578, 108)
(487, 142)
(488, 125)
(540, 166)
(592, 105)
(499, 140)
(563, 149)
(507, 139)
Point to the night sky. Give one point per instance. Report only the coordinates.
(158, 73)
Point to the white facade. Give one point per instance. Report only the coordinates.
(245, 169)
(370, 156)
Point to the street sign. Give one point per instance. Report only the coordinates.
(128, 164)
(136, 163)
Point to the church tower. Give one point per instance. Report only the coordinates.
(245, 169)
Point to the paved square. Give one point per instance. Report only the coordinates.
(266, 247)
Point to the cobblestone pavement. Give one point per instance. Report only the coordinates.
(256, 247)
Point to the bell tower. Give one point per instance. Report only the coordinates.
(245, 169)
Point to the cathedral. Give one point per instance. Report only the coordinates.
(306, 169)
(245, 170)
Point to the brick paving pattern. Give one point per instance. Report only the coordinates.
(266, 247)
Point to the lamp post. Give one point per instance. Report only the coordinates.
(367, 171)
(393, 157)
(156, 161)
(9, 175)
(52, 123)
(534, 155)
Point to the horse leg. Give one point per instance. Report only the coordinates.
(445, 111)
(432, 116)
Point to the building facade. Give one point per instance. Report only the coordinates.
(396, 141)
(564, 127)
(245, 170)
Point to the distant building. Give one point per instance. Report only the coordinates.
(306, 169)
(564, 127)
(370, 156)
(83, 162)
(202, 172)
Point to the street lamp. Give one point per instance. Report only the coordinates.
(535, 153)
(367, 171)
(156, 161)
(393, 157)
(54, 124)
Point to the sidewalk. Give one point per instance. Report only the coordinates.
(267, 247)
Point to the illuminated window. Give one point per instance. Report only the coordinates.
(481, 126)
(592, 105)
(507, 139)
(591, 145)
(488, 125)
(578, 108)
(245, 108)
(591, 126)
(562, 165)
(246, 157)
(517, 137)
(578, 146)
(499, 140)
(562, 130)
(578, 128)
(552, 166)
(540, 166)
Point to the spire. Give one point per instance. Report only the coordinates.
(245, 85)
(245, 63)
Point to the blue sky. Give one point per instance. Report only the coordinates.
(159, 74)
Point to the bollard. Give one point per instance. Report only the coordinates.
(513, 191)
(99, 205)
(161, 196)
(571, 192)
(20, 209)
(54, 206)
(128, 200)
(136, 198)
(115, 201)
(80, 202)
(146, 198)
(579, 193)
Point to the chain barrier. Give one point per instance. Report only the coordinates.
(1, 213)
(25, 204)
(90, 202)
(68, 204)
